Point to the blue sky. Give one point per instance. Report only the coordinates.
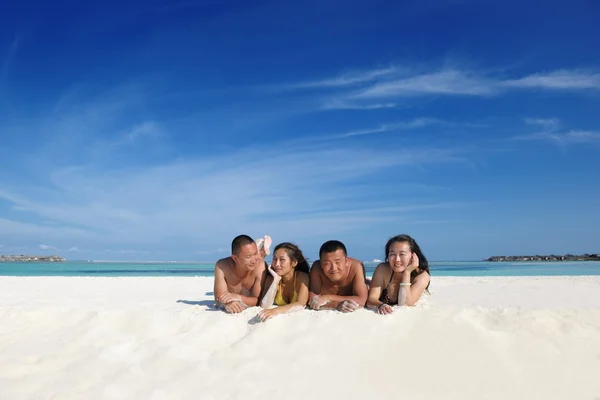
(159, 130)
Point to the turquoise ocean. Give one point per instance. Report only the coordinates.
(438, 268)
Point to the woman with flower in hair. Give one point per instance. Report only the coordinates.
(402, 278)
(287, 284)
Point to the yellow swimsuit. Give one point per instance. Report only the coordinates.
(279, 296)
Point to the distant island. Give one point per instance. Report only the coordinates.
(25, 258)
(552, 257)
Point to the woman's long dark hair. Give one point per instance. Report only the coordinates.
(295, 254)
(414, 247)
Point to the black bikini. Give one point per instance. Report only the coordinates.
(384, 294)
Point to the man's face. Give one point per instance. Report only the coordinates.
(335, 265)
(247, 258)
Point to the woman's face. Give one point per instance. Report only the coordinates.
(282, 264)
(399, 256)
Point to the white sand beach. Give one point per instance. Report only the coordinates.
(160, 338)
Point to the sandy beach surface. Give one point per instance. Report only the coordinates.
(160, 338)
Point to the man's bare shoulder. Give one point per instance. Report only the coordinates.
(225, 264)
(381, 268)
(260, 270)
(316, 268)
(356, 267)
(354, 261)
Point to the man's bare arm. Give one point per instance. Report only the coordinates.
(315, 280)
(314, 289)
(259, 278)
(359, 289)
(376, 288)
(221, 290)
(360, 285)
(220, 285)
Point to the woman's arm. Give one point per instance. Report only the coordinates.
(376, 287)
(298, 305)
(375, 290)
(269, 295)
(409, 293)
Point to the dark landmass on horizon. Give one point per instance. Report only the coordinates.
(28, 258)
(552, 257)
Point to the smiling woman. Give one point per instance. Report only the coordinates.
(288, 282)
(402, 278)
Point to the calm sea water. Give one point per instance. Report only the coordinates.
(440, 268)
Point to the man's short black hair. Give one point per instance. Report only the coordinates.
(240, 241)
(331, 246)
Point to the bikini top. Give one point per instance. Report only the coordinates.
(384, 298)
(279, 295)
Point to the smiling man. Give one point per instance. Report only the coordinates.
(238, 278)
(336, 280)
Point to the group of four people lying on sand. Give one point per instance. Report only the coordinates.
(335, 281)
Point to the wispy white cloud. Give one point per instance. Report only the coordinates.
(346, 105)
(565, 138)
(547, 123)
(561, 79)
(368, 89)
(360, 132)
(444, 82)
(396, 126)
(346, 79)
(553, 132)
(413, 124)
(146, 128)
(47, 247)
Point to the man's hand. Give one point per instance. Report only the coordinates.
(267, 314)
(348, 306)
(318, 301)
(235, 307)
(229, 297)
(384, 309)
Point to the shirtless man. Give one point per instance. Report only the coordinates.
(238, 278)
(336, 280)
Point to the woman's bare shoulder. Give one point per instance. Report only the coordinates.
(382, 268)
(303, 277)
